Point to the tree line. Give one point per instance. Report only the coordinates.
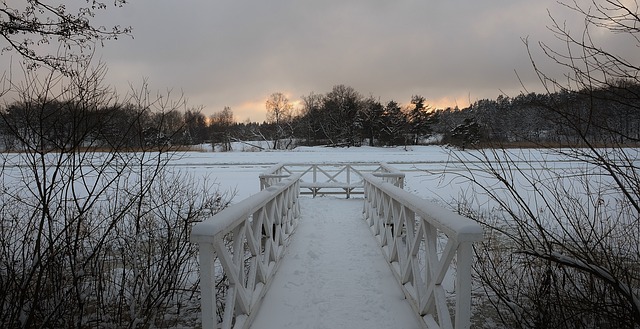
(341, 117)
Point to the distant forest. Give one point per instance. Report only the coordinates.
(339, 118)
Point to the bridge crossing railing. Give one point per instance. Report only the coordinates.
(244, 243)
(420, 241)
(331, 178)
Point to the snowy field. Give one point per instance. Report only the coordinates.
(430, 170)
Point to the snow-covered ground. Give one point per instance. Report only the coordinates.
(431, 171)
(327, 281)
(334, 275)
(239, 171)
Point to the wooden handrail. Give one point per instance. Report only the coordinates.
(245, 243)
(409, 230)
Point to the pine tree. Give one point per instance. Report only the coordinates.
(420, 119)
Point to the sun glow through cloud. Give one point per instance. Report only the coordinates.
(255, 109)
(233, 55)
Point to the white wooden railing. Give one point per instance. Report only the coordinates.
(245, 242)
(420, 241)
(331, 178)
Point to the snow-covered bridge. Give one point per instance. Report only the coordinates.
(387, 259)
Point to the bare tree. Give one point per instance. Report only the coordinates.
(94, 239)
(31, 27)
(564, 249)
(197, 126)
(342, 107)
(221, 124)
(279, 113)
(312, 118)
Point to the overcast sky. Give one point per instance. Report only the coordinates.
(237, 53)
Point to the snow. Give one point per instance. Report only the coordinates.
(332, 237)
(431, 171)
(238, 171)
(334, 275)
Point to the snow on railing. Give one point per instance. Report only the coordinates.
(420, 241)
(244, 242)
(331, 178)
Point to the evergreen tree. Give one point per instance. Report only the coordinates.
(420, 119)
(394, 124)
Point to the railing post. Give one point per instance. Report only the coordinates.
(207, 285)
(315, 174)
(463, 285)
(348, 191)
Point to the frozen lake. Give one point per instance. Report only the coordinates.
(424, 166)
(432, 172)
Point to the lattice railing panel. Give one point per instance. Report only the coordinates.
(328, 178)
(247, 239)
(422, 243)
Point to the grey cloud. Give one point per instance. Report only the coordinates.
(232, 52)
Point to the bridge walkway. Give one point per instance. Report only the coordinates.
(334, 275)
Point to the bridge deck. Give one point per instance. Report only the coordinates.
(334, 275)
